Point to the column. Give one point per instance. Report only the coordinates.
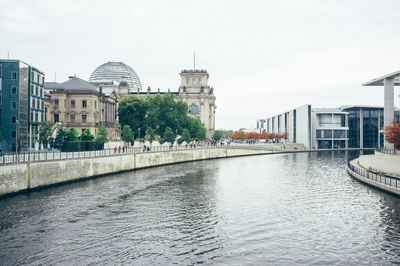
(361, 129)
(388, 112)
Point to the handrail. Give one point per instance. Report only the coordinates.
(388, 151)
(381, 178)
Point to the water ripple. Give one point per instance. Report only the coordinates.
(278, 210)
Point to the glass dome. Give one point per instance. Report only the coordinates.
(113, 71)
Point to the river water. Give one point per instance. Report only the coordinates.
(273, 209)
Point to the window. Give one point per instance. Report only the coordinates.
(193, 109)
(328, 134)
(0, 99)
(42, 106)
(193, 81)
(14, 105)
(37, 91)
(13, 134)
(32, 77)
(56, 102)
(33, 103)
(56, 118)
(72, 118)
(319, 135)
(72, 103)
(36, 117)
(31, 89)
(84, 103)
(83, 118)
(14, 90)
(14, 75)
(41, 93)
(187, 81)
(31, 116)
(13, 119)
(199, 81)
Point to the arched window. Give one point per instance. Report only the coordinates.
(193, 109)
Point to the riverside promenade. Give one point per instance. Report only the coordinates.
(31, 171)
(381, 170)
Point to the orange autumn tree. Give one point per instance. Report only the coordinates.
(392, 134)
(239, 135)
(253, 135)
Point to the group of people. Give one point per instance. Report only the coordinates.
(124, 149)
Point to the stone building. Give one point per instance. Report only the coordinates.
(195, 91)
(79, 104)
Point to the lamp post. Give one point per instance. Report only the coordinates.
(139, 134)
(16, 137)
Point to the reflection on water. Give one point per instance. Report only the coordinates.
(274, 209)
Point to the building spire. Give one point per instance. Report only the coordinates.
(194, 60)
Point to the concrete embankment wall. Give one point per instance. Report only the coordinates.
(24, 176)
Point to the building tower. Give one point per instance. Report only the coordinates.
(195, 91)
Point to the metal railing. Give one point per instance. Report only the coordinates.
(389, 151)
(378, 177)
(8, 158)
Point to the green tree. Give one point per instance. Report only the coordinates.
(218, 135)
(127, 134)
(44, 133)
(132, 111)
(86, 135)
(168, 136)
(185, 136)
(72, 135)
(197, 129)
(101, 137)
(164, 111)
(151, 135)
(61, 137)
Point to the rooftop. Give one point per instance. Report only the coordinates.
(380, 81)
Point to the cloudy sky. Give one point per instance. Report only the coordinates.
(264, 57)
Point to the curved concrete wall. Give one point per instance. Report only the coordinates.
(19, 177)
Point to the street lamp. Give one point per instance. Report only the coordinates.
(139, 134)
(16, 137)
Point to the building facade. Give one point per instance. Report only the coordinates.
(332, 128)
(21, 104)
(79, 104)
(195, 91)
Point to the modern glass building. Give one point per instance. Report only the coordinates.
(365, 126)
(115, 71)
(21, 104)
(332, 128)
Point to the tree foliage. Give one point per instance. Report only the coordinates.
(44, 133)
(101, 137)
(127, 134)
(168, 136)
(86, 135)
(154, 115)
(218, 135)
(185, 136)
(392, 134)
(132, 111)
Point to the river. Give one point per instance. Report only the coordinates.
(272, 209)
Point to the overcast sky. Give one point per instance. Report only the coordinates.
(264, 57)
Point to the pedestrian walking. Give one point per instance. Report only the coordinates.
(115, 149)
